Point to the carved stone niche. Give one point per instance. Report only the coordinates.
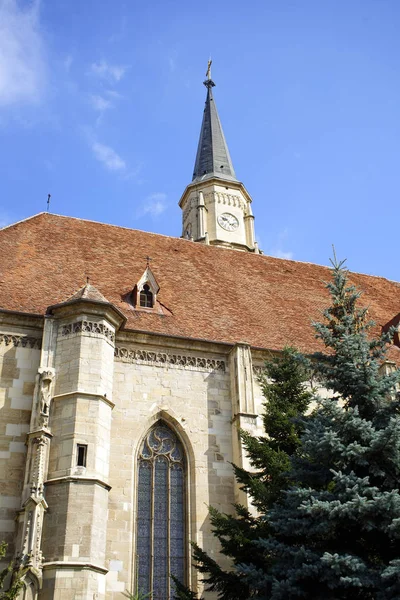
(44, 380)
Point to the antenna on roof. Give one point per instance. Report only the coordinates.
(88, 279)
(48, 202)
(148, 259)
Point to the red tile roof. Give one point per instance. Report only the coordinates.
(207, 292)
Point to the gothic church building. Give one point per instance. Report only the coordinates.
(121, 399)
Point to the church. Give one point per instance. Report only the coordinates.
(128, 363)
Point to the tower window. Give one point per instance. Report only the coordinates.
(81, 455)
(146, 297)
(160, 526)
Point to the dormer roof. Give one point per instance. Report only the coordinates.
(88, 292)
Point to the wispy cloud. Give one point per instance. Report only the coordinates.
(277, 248)
(281, 254)
(108, 157)
(111, 73)
(67, 62)
(154, 205)
(22, 57)
(99, 103)
(113, 94)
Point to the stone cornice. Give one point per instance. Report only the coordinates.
(171, 343)
(89, 395)
(20, 341)
(84, 326)
(79, 479)
(167, 359)
(61, 564)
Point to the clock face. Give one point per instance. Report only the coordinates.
(228, 222)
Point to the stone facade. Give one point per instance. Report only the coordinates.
(204, 203)
(76, 380)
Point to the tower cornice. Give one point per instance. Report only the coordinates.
(200, 185)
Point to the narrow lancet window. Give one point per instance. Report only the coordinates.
(160, 513)
(81, 455)
(146, 297)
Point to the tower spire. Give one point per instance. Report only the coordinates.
(213, 158)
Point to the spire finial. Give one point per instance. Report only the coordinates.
(208, 74)
(209, 82)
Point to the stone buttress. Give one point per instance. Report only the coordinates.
(68, 450)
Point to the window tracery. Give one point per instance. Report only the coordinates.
(160, 513)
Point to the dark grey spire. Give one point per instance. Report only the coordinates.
(212, 159)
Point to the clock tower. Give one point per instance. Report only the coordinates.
(216, 207)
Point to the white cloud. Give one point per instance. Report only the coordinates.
(172, 64)
(99, 103)
(280, 243)
(22, 59)
(109, 72)
(110, 159)
(68, 62)
(113, 94)
(281, 254)
(154, 205)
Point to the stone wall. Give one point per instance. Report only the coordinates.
(190, 391)
(19, 359)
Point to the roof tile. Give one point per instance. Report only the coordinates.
(209, 293)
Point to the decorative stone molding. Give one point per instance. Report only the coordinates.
(74, 566)
(258, 371)
(163, 359)
(88, 327)
(226, 199)
(245, 418)
(22, 341)
(189, 206)
(79, 479)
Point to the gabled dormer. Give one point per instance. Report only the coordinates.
(146, 290)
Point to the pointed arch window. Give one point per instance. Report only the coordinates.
(146, 297)
(160, 531)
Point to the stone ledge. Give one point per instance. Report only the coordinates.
(166, 359)
(249, 418)
(20, 341)
(85, 395)
(58, 564)
(79, 479)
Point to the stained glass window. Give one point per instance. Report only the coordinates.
(160, 513)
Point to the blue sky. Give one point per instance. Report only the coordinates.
(101, 104)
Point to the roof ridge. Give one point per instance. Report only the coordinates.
(184, 240)
(23, 220)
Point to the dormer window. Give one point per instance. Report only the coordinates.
(146, 297)
(144, 294)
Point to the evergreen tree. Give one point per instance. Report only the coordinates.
(329, 525)
(335, 533)
(14, 586)
(286, 398)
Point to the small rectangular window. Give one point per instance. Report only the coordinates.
(81, 455)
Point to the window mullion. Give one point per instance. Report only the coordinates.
(169, 530)
(152, 526)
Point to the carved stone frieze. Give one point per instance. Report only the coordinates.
(23, 341)
(226, 199)
(164, 359)
(88, 327)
